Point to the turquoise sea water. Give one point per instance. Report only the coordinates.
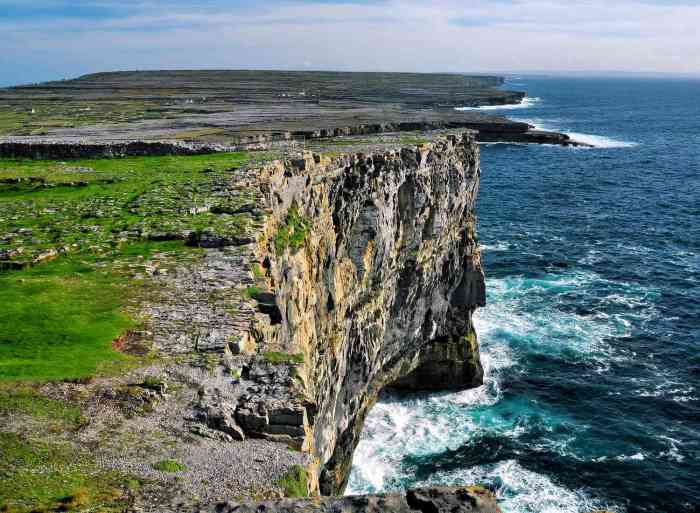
(591, 336)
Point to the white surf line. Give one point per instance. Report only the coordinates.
(524, 104)
(589, 141)
(592, 141)
(600, 141)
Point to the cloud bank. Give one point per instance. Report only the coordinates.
(49, 39)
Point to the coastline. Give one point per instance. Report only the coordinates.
(263, 331)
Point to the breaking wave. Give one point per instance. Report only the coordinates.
(599, 141)
(524, 104)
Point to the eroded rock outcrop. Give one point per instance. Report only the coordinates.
(373, 272)
(469, 499)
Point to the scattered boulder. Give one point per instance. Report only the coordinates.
(218, 414)
(208, 239)
(470, 499)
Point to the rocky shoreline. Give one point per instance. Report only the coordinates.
(248, 110)
(355, 272)
(468, 499)
(73, 149)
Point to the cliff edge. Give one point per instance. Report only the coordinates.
(272, 301)
(369, 275)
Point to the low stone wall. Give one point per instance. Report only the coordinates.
(79, 150)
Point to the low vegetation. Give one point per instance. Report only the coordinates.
(79, 244)
(37, 117)
(169, 466)
(278, 358)
(292, 232)
(294, 482)
(38, 475)
(59, 319)
(41, 469)
(24, 399)
(48, 207)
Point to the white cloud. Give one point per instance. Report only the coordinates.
(444, 35)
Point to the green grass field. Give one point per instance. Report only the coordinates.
(58, 318)
(43, 470)
(76, 244)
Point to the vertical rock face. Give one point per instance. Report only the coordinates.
(375, 269)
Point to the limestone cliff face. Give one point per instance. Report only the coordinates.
(374, 272)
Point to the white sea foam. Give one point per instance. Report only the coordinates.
(524, 104)
(599, 141)
(498, 246)
(666, 388)
(632, 457)
(673, 452)
(420, 426)
(509, 316)
(536, 123)
(521, 317)
(520, 490)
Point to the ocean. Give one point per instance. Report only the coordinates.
(591, 336)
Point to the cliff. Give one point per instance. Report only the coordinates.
(318, 282)
(487, 130)
(100, 113)
(369, 273)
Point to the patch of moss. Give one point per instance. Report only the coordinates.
(48, 475)
(152, 381)
(294, 482)
(26, 400)
(258, 271)
(278, 358)
(58, 321)
(292, 232)
(251, 292)
(169, 466)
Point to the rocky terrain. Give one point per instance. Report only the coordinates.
(191, 325)
(258, 355)
(471, 499)
(252, 109)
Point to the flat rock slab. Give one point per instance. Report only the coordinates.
(249, 107)
(472, 499)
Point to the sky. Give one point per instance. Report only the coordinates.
(53, 39)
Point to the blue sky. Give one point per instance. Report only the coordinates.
(50, 39)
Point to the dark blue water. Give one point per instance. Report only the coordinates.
(591, 338)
